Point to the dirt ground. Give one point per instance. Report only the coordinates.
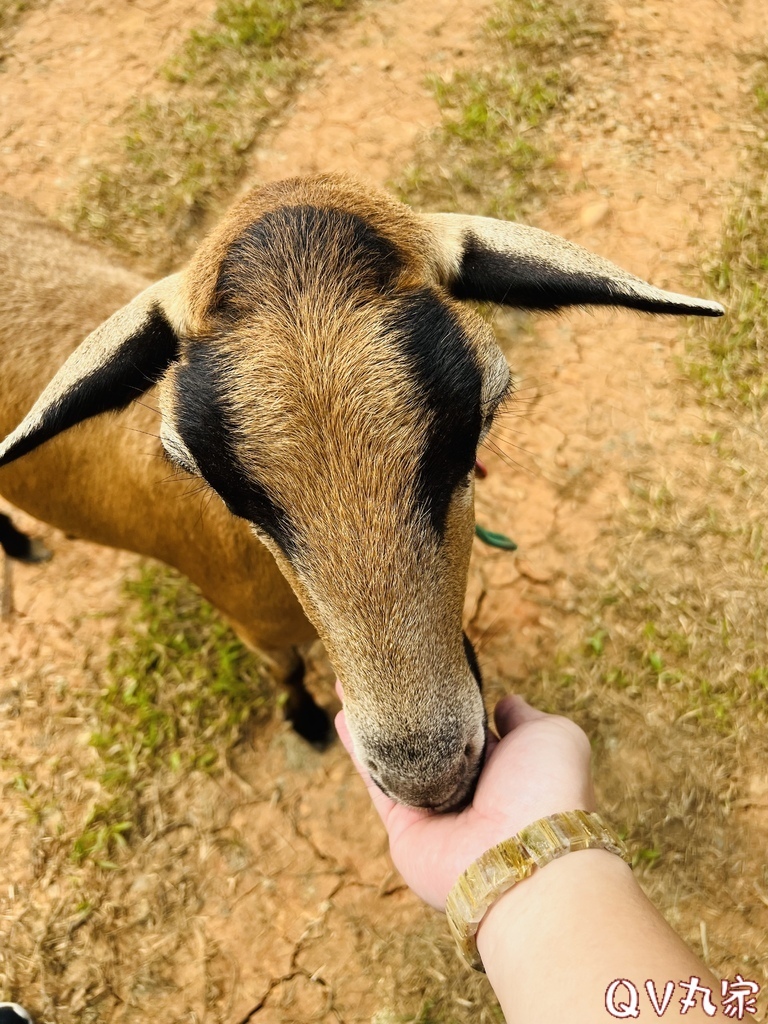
(270, 895)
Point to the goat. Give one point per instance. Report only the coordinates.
(318, 372)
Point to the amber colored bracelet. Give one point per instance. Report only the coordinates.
(503, 866)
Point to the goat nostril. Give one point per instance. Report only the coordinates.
(467, 751)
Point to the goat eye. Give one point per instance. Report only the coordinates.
(177, 454)
(181, 463)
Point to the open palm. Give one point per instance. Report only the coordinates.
(538, 766)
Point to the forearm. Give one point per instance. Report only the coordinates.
(554, 944)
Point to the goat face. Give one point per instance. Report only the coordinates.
(334, 395)
(319, 373)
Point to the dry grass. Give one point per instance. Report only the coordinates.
(489, 155)
(665, 656)
(424, 981)
(732, 366)
(185, 147)
(87, 944)
(179, 690)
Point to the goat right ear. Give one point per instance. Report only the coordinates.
(116, 363)
(499, 261)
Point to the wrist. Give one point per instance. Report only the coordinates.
(553, 945)
(549, 900)
(512, 862)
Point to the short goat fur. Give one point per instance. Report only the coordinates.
(316, 367)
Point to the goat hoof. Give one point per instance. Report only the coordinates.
(313, 724)
(37, 552)
(18, 545)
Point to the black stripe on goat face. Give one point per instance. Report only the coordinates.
(448, 383)
(294, 250)
(204, 425)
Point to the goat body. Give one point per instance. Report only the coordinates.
(315, 367)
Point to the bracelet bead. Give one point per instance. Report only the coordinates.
(513, 860)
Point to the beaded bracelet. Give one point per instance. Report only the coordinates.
(503, 866)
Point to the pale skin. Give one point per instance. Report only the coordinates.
(553, 944)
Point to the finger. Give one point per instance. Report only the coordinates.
(342, 729)
(339, 690)
(491, 742)
(513, 711)
(381, 801)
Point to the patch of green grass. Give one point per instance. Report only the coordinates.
(104, 834)
(760, 86)
(488, 156)
(180, 688)
(648, 856)
(29, 796)
(243, 30)
(185, 148)
(730, 358)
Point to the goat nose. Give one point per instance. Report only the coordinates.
(439, 784)
(453, 796)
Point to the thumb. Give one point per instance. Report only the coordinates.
(381, 801)
(513, 711)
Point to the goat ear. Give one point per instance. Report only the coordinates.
(496, 261)
(116, 363)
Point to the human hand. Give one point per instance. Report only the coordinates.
(539, 766)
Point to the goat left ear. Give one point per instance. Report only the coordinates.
(497, 261)
(116, 363)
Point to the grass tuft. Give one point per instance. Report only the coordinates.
(488, 155)
(732, 363)
(180, 689)
(184, 149)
